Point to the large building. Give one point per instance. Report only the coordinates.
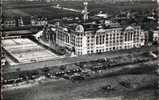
(96, 39)
(94, 34)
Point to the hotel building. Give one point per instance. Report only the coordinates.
(94, 34)
(95, 38)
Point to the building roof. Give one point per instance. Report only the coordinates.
(18, 32)
(94, 24)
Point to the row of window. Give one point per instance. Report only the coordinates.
(79, 53)
(72, 38)
(79, 41)
(63, 37)
(98, 50)
(127, 46)
(100, 39)
(109, 49)
(112, 42)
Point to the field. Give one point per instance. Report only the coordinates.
(67, 90)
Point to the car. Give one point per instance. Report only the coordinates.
(48, 75)
(77, 77)
(58, 74)
(10, 81)
(33, 60)
(33, 77)
(65, 76)
(108, 88)
(125, 84)
(5, 81)
(18, 80)
(69, 72)
(77, 70)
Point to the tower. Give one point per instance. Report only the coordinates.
(85, 11)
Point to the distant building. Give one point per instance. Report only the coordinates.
(10, 22)
(38, 21)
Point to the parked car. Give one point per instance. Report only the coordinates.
(77, 77)
(59, 74)
(65, 76)
(108, 88)
(125, 84)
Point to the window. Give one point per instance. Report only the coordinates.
(103, 39)
(67, 38)
(126, 39)
(88, 38)
(100, 39)
(88, 52)
(97, 51)
(97, 40)
(88, 44)
(107, 37)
